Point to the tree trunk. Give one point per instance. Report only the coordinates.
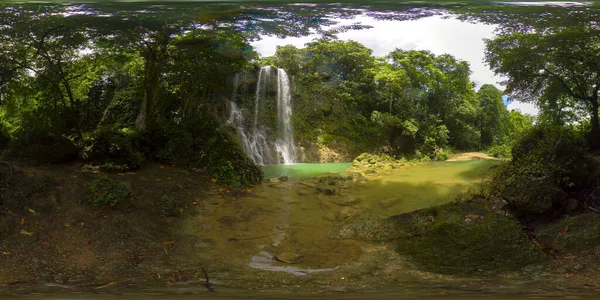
(151, 74)
(595, 131)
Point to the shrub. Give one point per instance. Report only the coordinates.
(109, 192)
(500, 151)
(4, 139)
(441, 155)
(179, 145)
(550, 165)
(41, 147)
(113, 148)
(228, 162)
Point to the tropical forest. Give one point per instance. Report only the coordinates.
(292, 150)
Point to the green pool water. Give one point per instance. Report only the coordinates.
(304, 170)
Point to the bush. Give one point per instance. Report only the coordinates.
(201, 142)
(4, 139)
(109, 192)
(179, 145)
(113, 148)
(441, 155)
(41, 147)
(228, 162)
(500, 151)
(550, 166)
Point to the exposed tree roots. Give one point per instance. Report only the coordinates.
(546, 248)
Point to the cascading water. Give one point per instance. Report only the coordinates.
(285, 142)
(258, 144)
(255, 143)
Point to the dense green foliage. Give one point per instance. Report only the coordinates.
(554, 62)
(131, 89)
(119, 93)
(39, 148)
(551, 171)
(410, 103)
(106, 191)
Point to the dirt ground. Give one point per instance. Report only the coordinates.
(469, 156)
(49, 232)
(182, 233)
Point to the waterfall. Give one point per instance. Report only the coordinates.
(259, 144)
(285, 143)
(255, 144)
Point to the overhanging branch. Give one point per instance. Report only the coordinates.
(565, 85)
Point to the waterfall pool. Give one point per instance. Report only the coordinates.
(304, 170)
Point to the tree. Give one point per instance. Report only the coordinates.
(492, 115)
(439, 86)
(518, 124)
(200, 62)
(558, 59)
(51, 52)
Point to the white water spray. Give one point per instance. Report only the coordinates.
(255, 137)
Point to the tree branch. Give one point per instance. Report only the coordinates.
(565, 85)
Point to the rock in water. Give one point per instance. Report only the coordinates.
(347, 201)
(389, 202)
(288, 257)
(326, 190)
(346, 213)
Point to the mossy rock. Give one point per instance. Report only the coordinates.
(326, 190)
(572, 234)
(371, 159)
(367, 228)
(332, 179)
(465, 238)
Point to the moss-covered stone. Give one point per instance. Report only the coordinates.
(368, 228)
(460, 238)
(572, 234)
(371, 164)
(326, 190)
(332, 179)
(468, 237)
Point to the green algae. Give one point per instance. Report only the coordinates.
(304, 170)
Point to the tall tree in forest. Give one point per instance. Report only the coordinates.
(559, 57)
(492, 115)
(440, 87)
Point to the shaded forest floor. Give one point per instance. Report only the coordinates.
(184, 234)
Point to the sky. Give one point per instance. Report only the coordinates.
(438, 34)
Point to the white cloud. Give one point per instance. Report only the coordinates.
(438, 34)
(523, 107)
(267, 45)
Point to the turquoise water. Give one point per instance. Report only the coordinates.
(304, 170)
